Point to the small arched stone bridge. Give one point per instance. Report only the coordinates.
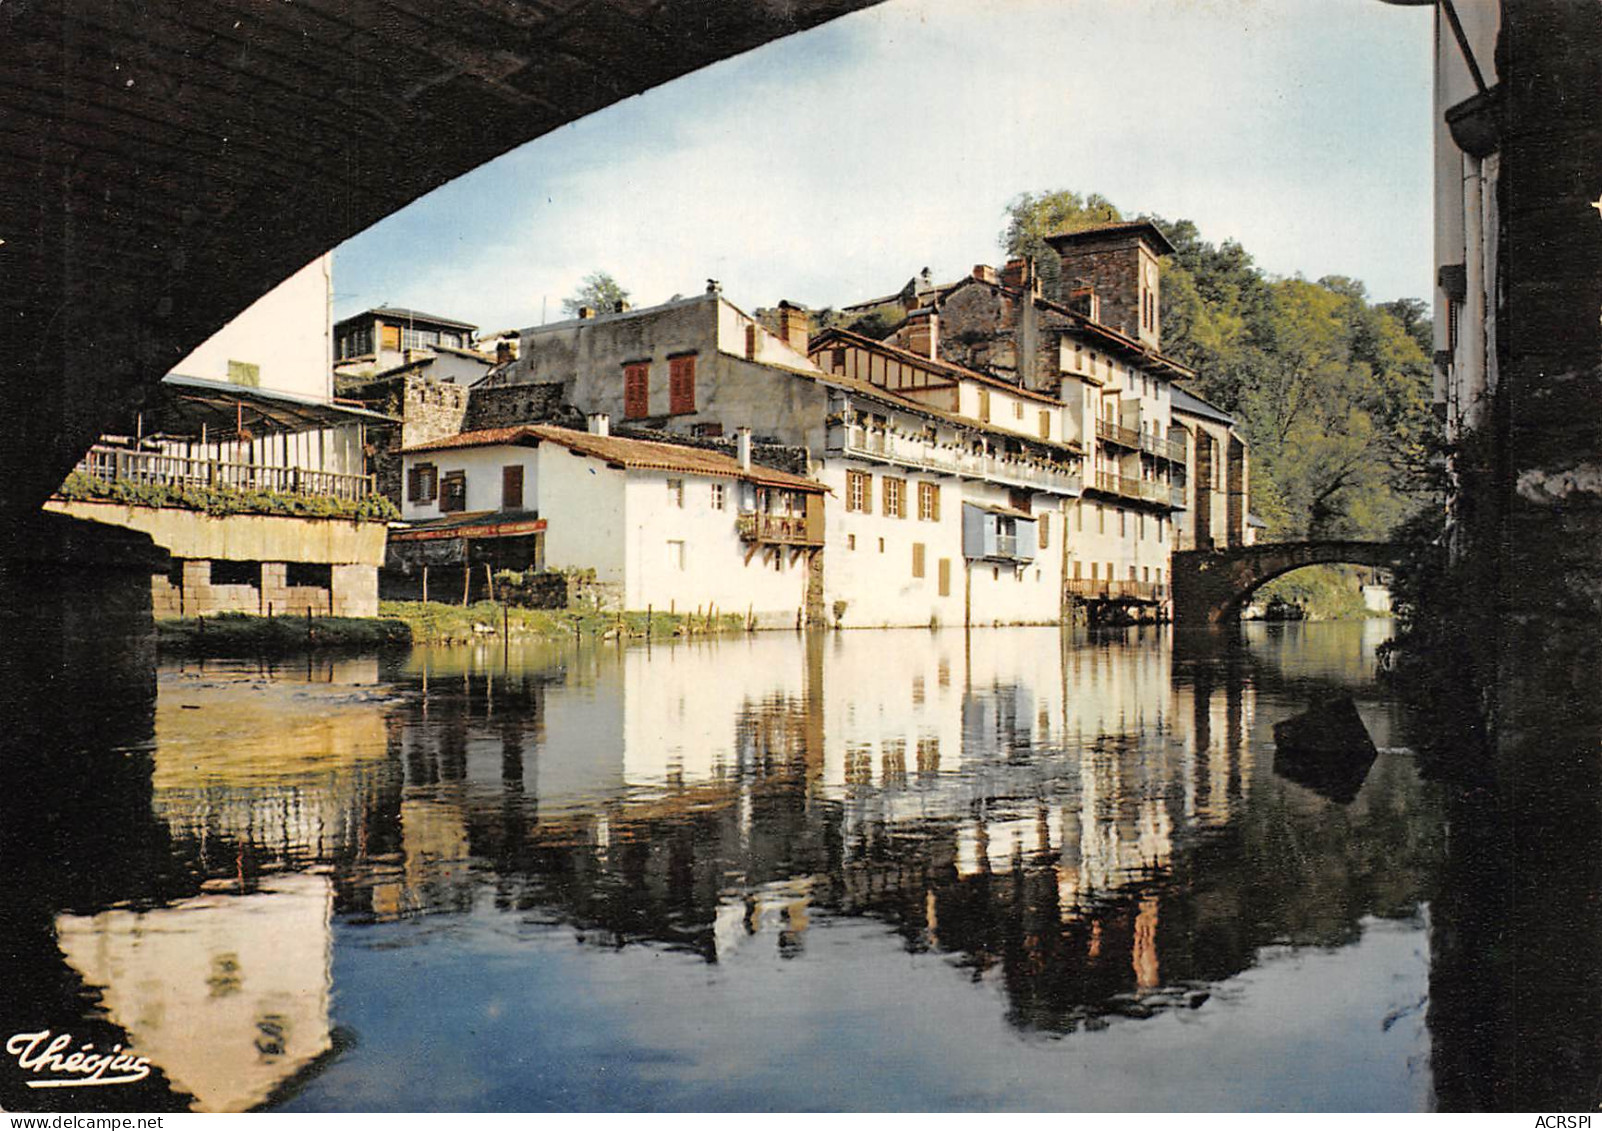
(1212, 586)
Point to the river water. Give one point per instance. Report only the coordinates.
(1007, 869)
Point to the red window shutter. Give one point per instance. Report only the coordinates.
(681, 385)
(636, 391)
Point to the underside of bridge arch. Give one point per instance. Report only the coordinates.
(1212, 588)
(164, 165)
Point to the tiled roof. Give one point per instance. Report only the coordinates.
(483, 438)
(933, 364)
(1195, 406)
(896, 400)
(654, 456)
(639, 454)
(475, 355)
(1113, 229)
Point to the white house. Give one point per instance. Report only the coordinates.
(664, 526)
(952, 490)
(387, 338)
(283, 342)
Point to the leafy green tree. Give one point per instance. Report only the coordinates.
(1413, 314)
(599, 291)
(1031, 217)
(1332, 391)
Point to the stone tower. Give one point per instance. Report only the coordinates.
(1118, 262)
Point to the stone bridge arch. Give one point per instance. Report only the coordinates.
(1211, 586)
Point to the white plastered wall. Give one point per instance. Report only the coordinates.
(483, 467)
(715, 570)
(287, 333)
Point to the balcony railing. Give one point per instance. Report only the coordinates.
(108, 464)
(1140, 490)
(1171, 450)
(1117, 434)
(1176, 498)
(927, 455)
(1105, 590)
(776, 529)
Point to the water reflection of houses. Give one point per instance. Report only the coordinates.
(1081, 816)
(226, 988)
(256, 774)
(705, 796)
(227, 994)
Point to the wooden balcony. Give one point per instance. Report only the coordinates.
(946, 459)
(1171, 450)
(109, 464)
(772, 529)
(1117, 434)
(1101, 589)
(1139, 490)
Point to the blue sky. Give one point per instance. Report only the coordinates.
(830, 166)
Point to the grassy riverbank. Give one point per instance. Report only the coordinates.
(240, 634)
(403, 623)
(435, 623)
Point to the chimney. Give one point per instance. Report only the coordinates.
(1012, 275)
(713, 287)
(984, 273)
(586, 312)
(622, 306)
(795, 326)
(922, 334)
(503, 352)
(598, 424)
(742, 447)
(1028, 337)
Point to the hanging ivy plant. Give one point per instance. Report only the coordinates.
(220, 501)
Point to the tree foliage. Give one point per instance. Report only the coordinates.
(599, 291)
(1331, 391)
(1032, 217)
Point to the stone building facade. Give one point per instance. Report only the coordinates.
(1097, 356)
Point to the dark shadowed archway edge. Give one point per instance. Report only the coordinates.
(1212, 586)
(164, 165)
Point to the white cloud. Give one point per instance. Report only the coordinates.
(830, 166)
